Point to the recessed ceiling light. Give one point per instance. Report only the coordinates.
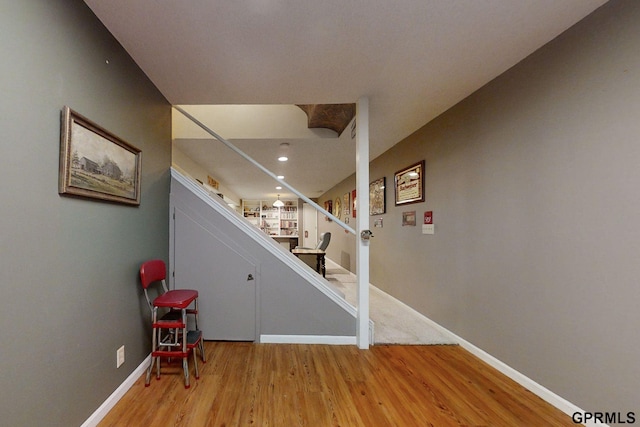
(283, 158)
(280, 177)
(278, 188)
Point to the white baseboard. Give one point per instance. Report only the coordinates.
(307, 339)
(111, 401)
(537, 389)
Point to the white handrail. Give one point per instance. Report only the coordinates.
(264, 169)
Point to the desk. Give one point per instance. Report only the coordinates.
(320, 263)
(288, 242)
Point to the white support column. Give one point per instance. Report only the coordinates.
(362, 220)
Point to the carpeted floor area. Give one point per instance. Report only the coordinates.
(395, 322)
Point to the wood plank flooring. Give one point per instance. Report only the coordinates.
(317, 385)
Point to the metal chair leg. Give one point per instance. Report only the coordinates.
(202, 354)
(147, 381)
(154, 338)
(195, 364)
(185, 358)
(185, 368)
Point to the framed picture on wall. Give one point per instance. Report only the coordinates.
(353, 202)
(328, 206)
(377, 201)
(337, 208)
(346, 204)
(409, 184)
(409, 218)
(96, 164)
(212, 182)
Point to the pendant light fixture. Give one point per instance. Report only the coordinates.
(284, 148)
(278, 203)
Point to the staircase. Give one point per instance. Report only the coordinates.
(251, 288)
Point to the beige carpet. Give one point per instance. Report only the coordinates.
(395, 322)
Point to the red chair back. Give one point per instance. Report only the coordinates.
(152, 271)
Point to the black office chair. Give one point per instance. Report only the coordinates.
(325, 238)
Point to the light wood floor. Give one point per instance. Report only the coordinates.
(317, 385)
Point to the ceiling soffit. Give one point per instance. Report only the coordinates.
(330, 116)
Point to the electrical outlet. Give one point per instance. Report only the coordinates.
(120, 357)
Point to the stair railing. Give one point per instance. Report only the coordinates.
(264, 169)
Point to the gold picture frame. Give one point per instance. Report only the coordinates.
(96, 164)
(337, 208)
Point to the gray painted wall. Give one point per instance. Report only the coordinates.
(70, 294)
(287, 303)
(533, 182)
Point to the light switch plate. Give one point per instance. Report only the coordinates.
(120, 357)
(428, 229)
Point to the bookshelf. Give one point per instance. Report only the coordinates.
(276, 222)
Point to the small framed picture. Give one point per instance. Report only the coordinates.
(409, 218)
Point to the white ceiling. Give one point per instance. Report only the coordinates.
(413, 59)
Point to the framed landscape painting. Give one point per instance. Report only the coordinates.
(95, 163)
